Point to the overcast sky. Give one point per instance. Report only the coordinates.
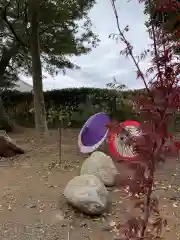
(104, 62)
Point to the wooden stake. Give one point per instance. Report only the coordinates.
(60, 141)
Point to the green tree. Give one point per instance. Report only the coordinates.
(59, 33)
(39, 106)
(60, 36)
(8, 78)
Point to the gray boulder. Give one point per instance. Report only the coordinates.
(87, 193)
(102, 166)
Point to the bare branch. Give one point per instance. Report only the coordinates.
(154, 42)
(128, 44)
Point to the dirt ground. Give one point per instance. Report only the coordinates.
(32, 206)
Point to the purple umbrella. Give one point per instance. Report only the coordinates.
(93, 133)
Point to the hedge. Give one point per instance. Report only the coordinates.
(76, 103)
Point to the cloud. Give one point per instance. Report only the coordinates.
(104, 62)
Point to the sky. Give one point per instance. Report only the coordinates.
(104, 62)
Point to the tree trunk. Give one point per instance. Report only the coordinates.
(7, 54)
(39, 106)
(5, 122)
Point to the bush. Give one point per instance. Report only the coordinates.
(76, 105)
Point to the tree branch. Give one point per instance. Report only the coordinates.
(128, 44)
(11, 27)
(154, 41)
(7, 54)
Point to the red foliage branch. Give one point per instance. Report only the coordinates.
(157, 106)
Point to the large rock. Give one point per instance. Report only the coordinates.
(101, 166)
(87, 193)
(8, 148)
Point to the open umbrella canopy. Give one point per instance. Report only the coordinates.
(117, 141)
(93, 133)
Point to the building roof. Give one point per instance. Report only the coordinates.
(23, 86)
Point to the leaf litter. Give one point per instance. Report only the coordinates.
(43, 187)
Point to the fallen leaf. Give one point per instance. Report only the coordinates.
(175, 205)
(9, 207)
